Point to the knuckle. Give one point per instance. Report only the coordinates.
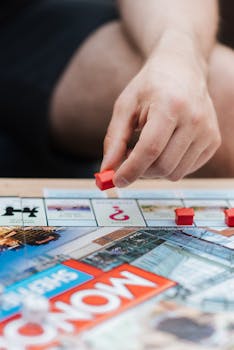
(196, 119)
(178, 103)
(151, 151)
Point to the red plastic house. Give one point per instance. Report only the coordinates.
(229, 217)
(184, 216)
(104, 180)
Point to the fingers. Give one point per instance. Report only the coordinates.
(207, 154)
(172, 155)
(173, 142)
(153, 139)
(188, 160)
(202, 160)
(184, 155)
(179, 170)
(198, 154)
(119, 133)
(189, 148)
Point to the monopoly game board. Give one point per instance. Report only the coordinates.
(116, 272)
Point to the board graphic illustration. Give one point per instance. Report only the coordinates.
(106, 269)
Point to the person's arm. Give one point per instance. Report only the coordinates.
(148, 21)
(168, 100)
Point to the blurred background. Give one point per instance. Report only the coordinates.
(25, 149)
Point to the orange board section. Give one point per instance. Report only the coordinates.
(111, 293)
(88, 304)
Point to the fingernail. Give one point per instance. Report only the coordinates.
(121, 182)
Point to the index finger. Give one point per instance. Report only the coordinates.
(118, 134)
(153, 140)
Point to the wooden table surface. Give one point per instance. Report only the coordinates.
(34, 187)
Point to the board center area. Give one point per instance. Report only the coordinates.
(85, 269)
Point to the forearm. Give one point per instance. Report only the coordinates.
(150, 21)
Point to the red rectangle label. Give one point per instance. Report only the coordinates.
(86, 305)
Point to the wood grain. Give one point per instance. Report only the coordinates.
(34, 187)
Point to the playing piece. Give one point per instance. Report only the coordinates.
(184, 216)
(35, 309)
(229, 217)
(104, 180)
(208, 212)
(87, 271)
(159, 212)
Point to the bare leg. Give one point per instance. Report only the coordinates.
(221, 86)
(83, 100)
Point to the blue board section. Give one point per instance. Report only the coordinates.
(16, 261)
(50, 283)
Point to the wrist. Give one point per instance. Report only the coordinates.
(183, 45)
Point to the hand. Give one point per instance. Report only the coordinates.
(169, 102)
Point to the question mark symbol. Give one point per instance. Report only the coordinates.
(117, 216)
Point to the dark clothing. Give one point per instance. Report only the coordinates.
(37, 43)
(9, 8)
(226, 32)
